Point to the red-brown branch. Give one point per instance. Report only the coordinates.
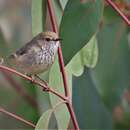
(44, 87)
(114, 6)
(55, 29)
(16, 117)
(62, 67)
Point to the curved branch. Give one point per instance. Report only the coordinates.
(43, 86)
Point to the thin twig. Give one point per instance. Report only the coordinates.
(16, 117)
(114, 6)
(20, 89)
(62, 68)
(43, 86)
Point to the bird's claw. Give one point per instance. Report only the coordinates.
(32, 78)
(46, 89)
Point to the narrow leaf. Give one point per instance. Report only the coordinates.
(38, 16)
(55, 81)
(43, 122)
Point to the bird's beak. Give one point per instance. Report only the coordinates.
(58, 39)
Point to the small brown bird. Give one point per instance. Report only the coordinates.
(37, 55)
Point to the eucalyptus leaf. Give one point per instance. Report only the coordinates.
(4, 48)
(76, 66)
(89, 53)
(63, 3)
(79, 23)
(112, 73)
(56, 82)
(57, 10)
(90, 111)
(87, 56)
(43, 122)
(38, 16)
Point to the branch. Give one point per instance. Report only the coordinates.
(113, 5)
(43, 86)
(16, 117)
(62, 67)
(61, 62)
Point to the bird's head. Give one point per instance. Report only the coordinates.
(49, 36)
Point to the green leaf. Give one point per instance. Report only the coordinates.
(63, 3)
(4, 48)
(43, 100)
(76, 66)
(43, 122)
(55, 81)
(38, 16)
(79, 23)
(87, 56)
(90, 53)
(57, 10)
(111, 74)
(89, 108)
(47, 116)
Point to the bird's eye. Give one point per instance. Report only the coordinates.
(48, 39)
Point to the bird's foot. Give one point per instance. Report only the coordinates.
(37, 78)
(46, 88)
(33, 79)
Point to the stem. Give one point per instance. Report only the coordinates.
(55, 29)
(16, 117)
(62, 68)
(113, 5)
(74, 120)
(33, 81)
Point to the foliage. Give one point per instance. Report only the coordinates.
(96, 53)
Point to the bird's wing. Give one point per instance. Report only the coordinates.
(25, 49)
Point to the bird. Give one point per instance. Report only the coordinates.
(36, 56)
